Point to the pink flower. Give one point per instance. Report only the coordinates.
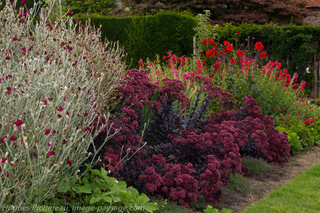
(84, 57)
(14, 39)
(18, 122)
(64, 98)
(4, 160)
(69, 162)
(64, 141)
(35, 155)
(31, 47)
(50, 153)
(85, 114)
(0, 169)
(49, 144)
(13, 138)
(21, 91)
(2, 139)
(59, 115)
(45, 101)
(47, 131)
(8, 58)
(75, 63)
(6, 174)
(60, 108)
(86, 128)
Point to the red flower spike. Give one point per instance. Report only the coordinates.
(69, 162)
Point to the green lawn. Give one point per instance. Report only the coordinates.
(302, 195)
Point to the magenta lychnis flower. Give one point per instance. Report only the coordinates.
(50, 153)
(47, 131)
(18, 122)
(2, 139)
(4, 160)
(69, 162)
(14, 39)
(86, 128)
(35, 155)
(60, 108)
(13, 138)
(69, 13)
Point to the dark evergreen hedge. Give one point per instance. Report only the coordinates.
(146, 36)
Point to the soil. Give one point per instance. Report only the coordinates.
(263, 184)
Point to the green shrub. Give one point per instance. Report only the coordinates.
(293, 139)
(145, 36)
(101, 7)
(97, 192)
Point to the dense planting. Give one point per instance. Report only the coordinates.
(188, 151)
(174, 129)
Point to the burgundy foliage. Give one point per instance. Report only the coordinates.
(186, 153)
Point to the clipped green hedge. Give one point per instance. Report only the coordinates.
(292, 43)
(146, 36)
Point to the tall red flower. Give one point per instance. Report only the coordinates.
(263, 55)
(240, 53)
(258, 45)
(209, 53)
(233, 60)
(211, 41)
(216, 66)
(204, 42)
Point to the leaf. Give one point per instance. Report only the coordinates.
(107, 198)
(210, 209)
(85, 189)
(94, 199)
(63, 188)
(96, 172)
(142, 200)
(150, 207)
(96, 189)
(115, 199)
